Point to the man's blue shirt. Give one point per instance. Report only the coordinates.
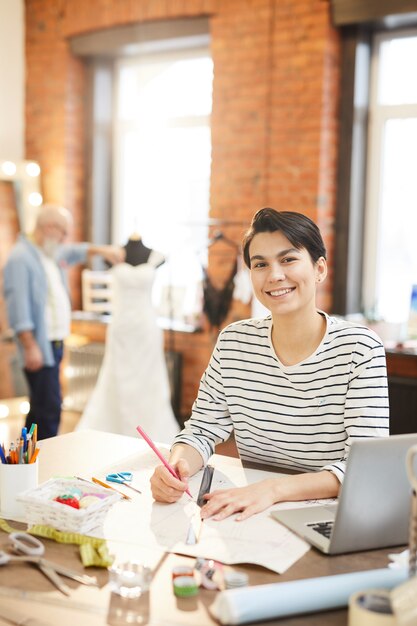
(26, 288)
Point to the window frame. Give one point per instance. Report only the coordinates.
(349, 248)
(379, 114)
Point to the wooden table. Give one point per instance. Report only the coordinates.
(82, 453)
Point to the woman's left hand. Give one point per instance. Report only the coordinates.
(248, 500)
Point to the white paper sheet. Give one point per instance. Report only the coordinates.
(259, 540)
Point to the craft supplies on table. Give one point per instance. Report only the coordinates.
(182, 570)
(205, 485)
(18, 472)
(23, 451)
(122, 478)
(196, 523)
(129, 601)
(235, 579)
(130, 579)
(185, 586)
(52, 504)
(160, 456)
(371, 608)
(97, 481)
(28, 549)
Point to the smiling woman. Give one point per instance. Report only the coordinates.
(296, 387)
(286, 264)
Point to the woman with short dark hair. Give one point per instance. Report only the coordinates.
(296, 387)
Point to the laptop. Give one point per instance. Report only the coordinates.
(373, 507)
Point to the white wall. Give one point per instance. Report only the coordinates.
(12, 80)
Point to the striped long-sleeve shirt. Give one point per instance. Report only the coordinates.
(302, 416)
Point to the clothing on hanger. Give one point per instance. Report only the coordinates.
(217, 302)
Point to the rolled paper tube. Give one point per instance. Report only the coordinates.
(262, 602)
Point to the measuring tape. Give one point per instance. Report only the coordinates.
(93, 550)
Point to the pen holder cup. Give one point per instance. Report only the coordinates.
(14, 479)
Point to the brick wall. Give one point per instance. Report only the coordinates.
(274, 121)
(9, 228)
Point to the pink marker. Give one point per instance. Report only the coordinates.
(160, 457)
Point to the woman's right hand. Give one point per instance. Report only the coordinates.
(165, 487)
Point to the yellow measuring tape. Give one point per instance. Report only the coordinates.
(93, 551)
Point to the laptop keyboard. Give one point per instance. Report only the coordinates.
(324, 528)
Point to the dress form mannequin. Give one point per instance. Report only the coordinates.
(133, 387)
(136, 251)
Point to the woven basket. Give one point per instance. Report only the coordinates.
(41, 508)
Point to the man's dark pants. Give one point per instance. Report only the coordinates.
(45, 396)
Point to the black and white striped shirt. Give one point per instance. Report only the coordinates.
(302, 416)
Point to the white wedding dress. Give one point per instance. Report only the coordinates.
(132, 387)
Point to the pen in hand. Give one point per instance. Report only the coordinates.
(160, 456)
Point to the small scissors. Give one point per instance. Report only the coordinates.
(123, 478)
(30, 550)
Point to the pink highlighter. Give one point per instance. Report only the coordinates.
(160, 457)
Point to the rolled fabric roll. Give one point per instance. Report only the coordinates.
(262, 602)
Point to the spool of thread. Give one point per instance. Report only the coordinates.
(182, 570)
(185, 586)
(371, 608)
(235, 579)
(87, 501)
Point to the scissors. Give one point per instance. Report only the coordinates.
(29, 549)
(123, 478)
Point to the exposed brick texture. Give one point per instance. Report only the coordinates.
(274, 121)
(9, 228)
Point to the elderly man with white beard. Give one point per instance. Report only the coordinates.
(39, 309)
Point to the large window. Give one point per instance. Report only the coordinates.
(162, 162)
(162, 144)
(390, 257)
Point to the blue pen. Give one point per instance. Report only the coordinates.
(25, 438)
(2, 456)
